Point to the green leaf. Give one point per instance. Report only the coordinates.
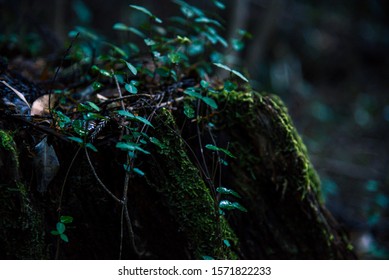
(118, 50)
(230, 86)
(120, 26)
(142, 9)
(183, 40)
(131, 67)
(73, 33)
(240, 75)
(209, 101)
(208, 20)
(137, 32)
(79, 128)
(87, 33)
(237, 45)
(156, 142)
(193, 92)
(214, 148)
(61, 227)
(227, 243)
(127, 167)
(207, 258)
(93, 116)
(92, 147)
(221, 40)
(189, 10)
(142, 150)
(245, 34)
(224, 190)
(127, 146)
(173, 75)
(239, 207)
(96, 86)
(204, 84)
(174, 58)
(163, 71)
(101, 71)
(93, 106)
(54, 232)
(147, 12)
(220, 65)
(219, 4)
(76, 139)
(225, 67)
(225, 204)
(211, 37)
(196, 48)
(66, 219)
(143, 120)
(64, 237)
(189, 111)
(62, 120)
(131, 88)
(138, 171)
(123, 27)
(149, 42)
(228, 205)
(82, 107)
(125, 114)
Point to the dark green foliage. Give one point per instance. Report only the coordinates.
(61, 228)
(156, 96)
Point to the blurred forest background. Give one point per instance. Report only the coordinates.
(328, 60)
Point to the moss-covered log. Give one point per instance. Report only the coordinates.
(286, 217)
(186, 195)
(174, 208)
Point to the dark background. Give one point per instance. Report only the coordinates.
(328, 60)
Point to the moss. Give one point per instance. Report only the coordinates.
(274, 174)
(7, 142)
(21, 224)
(187, 196)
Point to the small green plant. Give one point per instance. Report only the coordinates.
(160, 66)
(61, 228)
(228, 205)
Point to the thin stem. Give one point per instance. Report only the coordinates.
(61, 196)
(99, 181)
(65, 179)
(119, 90)
(59, 67)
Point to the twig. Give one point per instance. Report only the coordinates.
(118, 88)
(59, 67)
(99, 181)
(42, 129)
(208, 178)
(112, 100)
(125, 190)
(176, 100)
